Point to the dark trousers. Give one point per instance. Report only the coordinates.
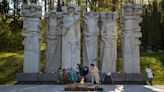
(150, 81)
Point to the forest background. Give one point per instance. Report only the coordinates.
(11, 23)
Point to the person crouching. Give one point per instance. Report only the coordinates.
(94, 74)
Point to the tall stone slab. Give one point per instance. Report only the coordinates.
(54, 42)
(31, 33)
(90, 38)
(131, 34)
(71, 36)
(108, 35)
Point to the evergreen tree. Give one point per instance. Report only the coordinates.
(161, 10)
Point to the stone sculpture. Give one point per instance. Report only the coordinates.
(63, 38)
(71, 36)
(90, 38)
(131, 34)
(108, 42)
(31, 33)
(54, 43)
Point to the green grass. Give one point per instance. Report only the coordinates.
(12, 62)
(156, 62)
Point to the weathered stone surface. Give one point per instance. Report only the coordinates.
(131, 34)
(48, 77)
(90, 38)
(27, 76)
(118, 76)
(71, 36)
(54, 42)
(108, 42)
(136, 77)
(31, 34)
(32, 10)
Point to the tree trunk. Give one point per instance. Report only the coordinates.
(58, 6)
(45, 5)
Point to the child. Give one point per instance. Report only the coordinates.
(149, 74)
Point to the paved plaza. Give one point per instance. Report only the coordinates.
(60, 88)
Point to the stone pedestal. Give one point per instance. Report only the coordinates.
(48, 77)
(37, 78)
(25, 77)
(31, 33)
(131, 34)
(129, 78)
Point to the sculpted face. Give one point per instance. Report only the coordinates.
(108, 15)
(71, 9)
(91, 14)
(53, 14)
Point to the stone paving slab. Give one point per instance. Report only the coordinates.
(60, 88)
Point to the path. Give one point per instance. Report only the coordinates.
(60, 88)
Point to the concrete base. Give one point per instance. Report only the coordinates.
(36, 77)
(27, 76)
(129, 78)
(53, 78)
(118, 76)
(48, 77)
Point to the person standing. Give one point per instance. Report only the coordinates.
(94, 74)
(149, 74)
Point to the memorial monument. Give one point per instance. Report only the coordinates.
(54, 42)
(71, 36)
(131, 34)
(90, 38)
(63, 42)
(108, 42)
(31, 33)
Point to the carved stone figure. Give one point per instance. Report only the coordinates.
(90, 38)
(31, 33)
(108, 42)
(71, 36)
(54, 43)
(131, 34)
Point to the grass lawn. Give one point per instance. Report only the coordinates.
(156, 62)
(12, 62)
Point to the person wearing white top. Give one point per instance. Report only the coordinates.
(94, 74)
(149, 74)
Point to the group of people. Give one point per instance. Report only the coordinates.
(93, 70)
(83, 72)
(80, 72)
